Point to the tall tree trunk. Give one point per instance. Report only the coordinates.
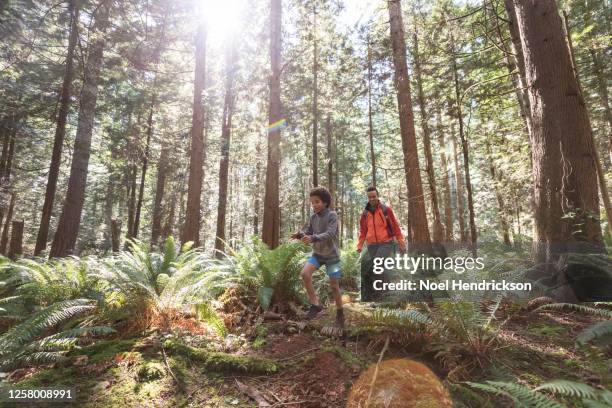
(370, 124)
(502, 212)
(565, 176)
(60, 132)
(115, 235)
(257, 198)
(513, 57)
(8, 169)
(6, 139)
(602, 81)
(226, 128)
(131, 205)
(271, 218)
(191, 228)
(315, 103)
(16, 247)
(160, 186)
(448, 209)
(7, 225)
(108, 211)
(143, 173)
(65, 237)
(459, 191)
(417, 213)
(603, 188)
(438, 229)
(466, 159)
(330, 161)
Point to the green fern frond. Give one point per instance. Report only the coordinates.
(206, 313)
(520, 394)
(47, 318)
(576, 308)
(568, 388)
(33, 359)
(595, 331)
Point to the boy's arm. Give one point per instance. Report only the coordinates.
(307, 230)
(332, 229)
(362, 233)
(396, 228)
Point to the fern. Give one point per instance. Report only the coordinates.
(272, 275)
(26, 345)
(596, 331)
(521, 395)
(576, 308)
(569, 388)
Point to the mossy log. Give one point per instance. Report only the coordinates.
(223, 362)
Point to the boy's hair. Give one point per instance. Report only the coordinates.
(322, 193)
(372, 188)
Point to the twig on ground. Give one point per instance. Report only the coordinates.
(178, 383)
(382, 353)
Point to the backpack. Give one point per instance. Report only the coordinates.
(385, 211)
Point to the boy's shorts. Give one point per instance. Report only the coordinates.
(332, 269)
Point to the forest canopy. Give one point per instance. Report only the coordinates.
(106, 136)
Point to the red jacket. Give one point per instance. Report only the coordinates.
(373, 227)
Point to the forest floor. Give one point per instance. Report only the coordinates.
(309, 369)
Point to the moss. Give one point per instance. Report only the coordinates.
(150, 371)
(50, 377)
(126, 391)
(349, 358)
(223, 362)
(546, 330)
(261, 332)
(104, 350)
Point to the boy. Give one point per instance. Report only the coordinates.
(322, 233)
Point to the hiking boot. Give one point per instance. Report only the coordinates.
(314, 312)
(339, 319)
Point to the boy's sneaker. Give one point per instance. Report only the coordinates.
(314, 312)
(339, 319)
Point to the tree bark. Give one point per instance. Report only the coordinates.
(566, 201)
(330, 161)
(257, 198)
(417, 214)
(502, 211)
(448, 209)
(459, 191)
(438, 229)
(226, 128)
(191, 228)
(603, 188)
(517, 62)
(7, 224)
(143, 173)
(271, 218)
(160, 186)
(65, 237)
(466, 159)
(16, 246)
(60, 132)
(131, 205)
(315, 103)
(8, 169)
(370, 124)
(115, 235)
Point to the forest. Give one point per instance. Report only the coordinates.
(157, 158)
